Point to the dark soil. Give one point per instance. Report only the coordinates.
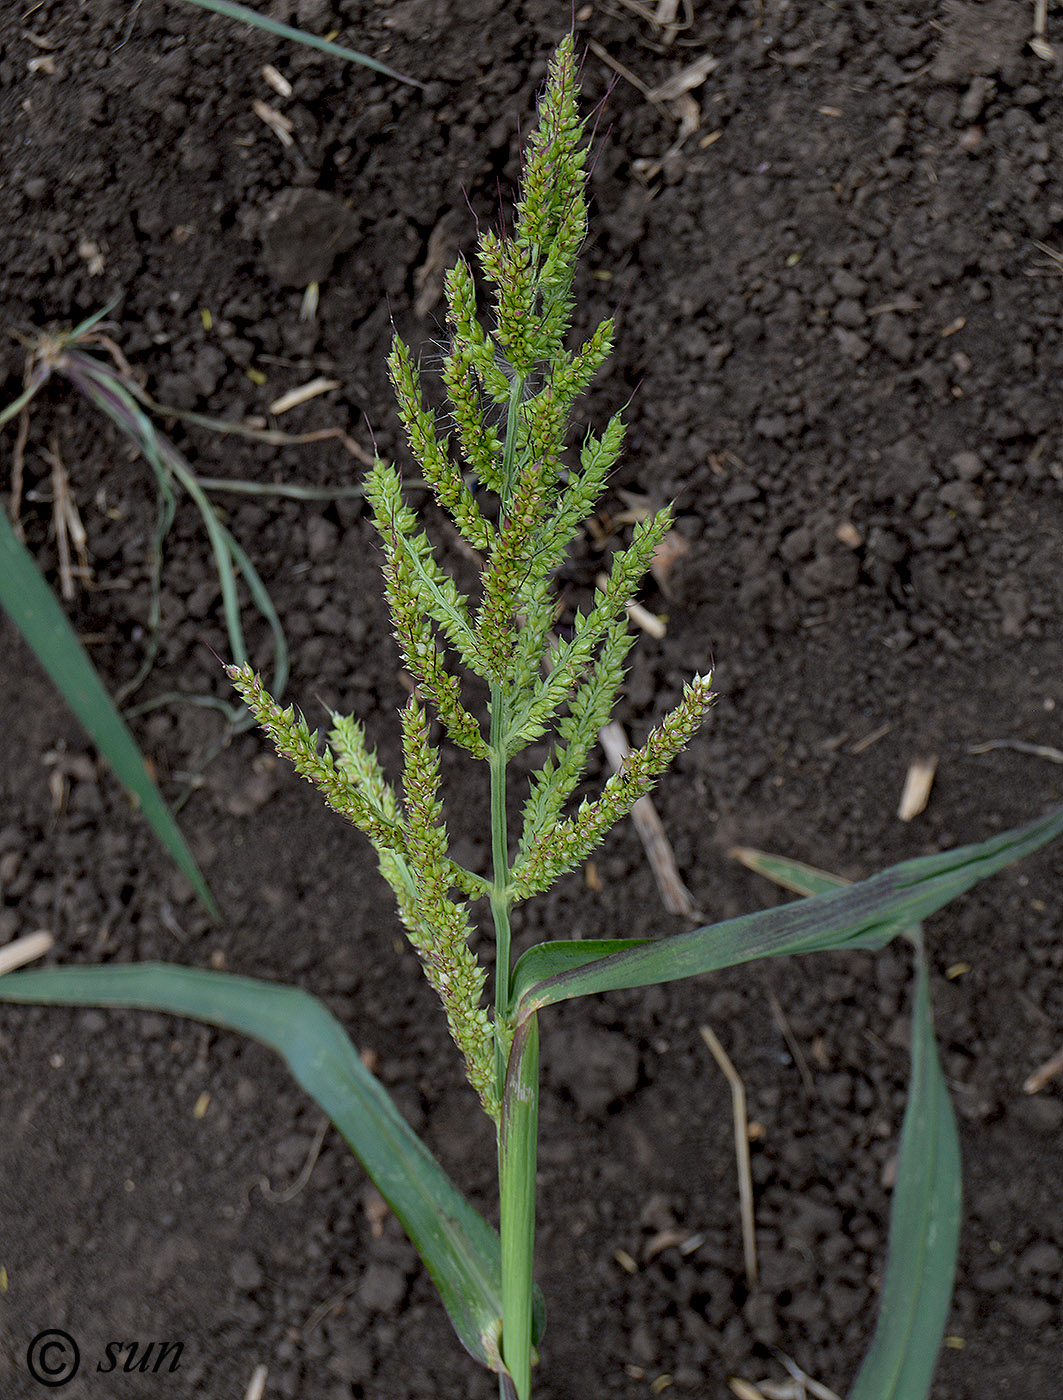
(839, 328)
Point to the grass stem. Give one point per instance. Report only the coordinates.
(500, 896)
(518, 1084)
(509, 451)
(517, 1149)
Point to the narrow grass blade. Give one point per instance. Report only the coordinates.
(790, 874)
(41, 363)
(165, 514)
(113, 398)
(264, 603)
(924, 1228)
(299, 36)
(864, 915)
(37, 381)
(290, 490)
(460, 1250)
(34, 610)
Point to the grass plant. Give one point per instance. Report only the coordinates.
(25, 595)
(511, 390)
(90, 361)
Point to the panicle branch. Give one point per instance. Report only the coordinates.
(571, 658)
(420, 593)
(294, 740)
(588, 710)
(559, 848)
(481, 445)
(439, 468)
(439, 926)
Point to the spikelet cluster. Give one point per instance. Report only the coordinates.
(506, 483)
(411, 844)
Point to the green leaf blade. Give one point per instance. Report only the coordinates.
(460, 1249)
(546, 960)
(792, 875)
(924, 1228)
(864, 915)
(34, 610)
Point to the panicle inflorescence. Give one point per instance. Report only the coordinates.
(439, 467)
(522, 371)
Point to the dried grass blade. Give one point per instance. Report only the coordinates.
(741, 1133)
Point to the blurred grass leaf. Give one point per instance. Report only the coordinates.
(246, 15)
(34, 610)
(924, 1227)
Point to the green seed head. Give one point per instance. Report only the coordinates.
(517, 499)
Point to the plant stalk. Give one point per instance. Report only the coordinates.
(517, 1143)
(518, 1083)
(509, 450)
(500, 897)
